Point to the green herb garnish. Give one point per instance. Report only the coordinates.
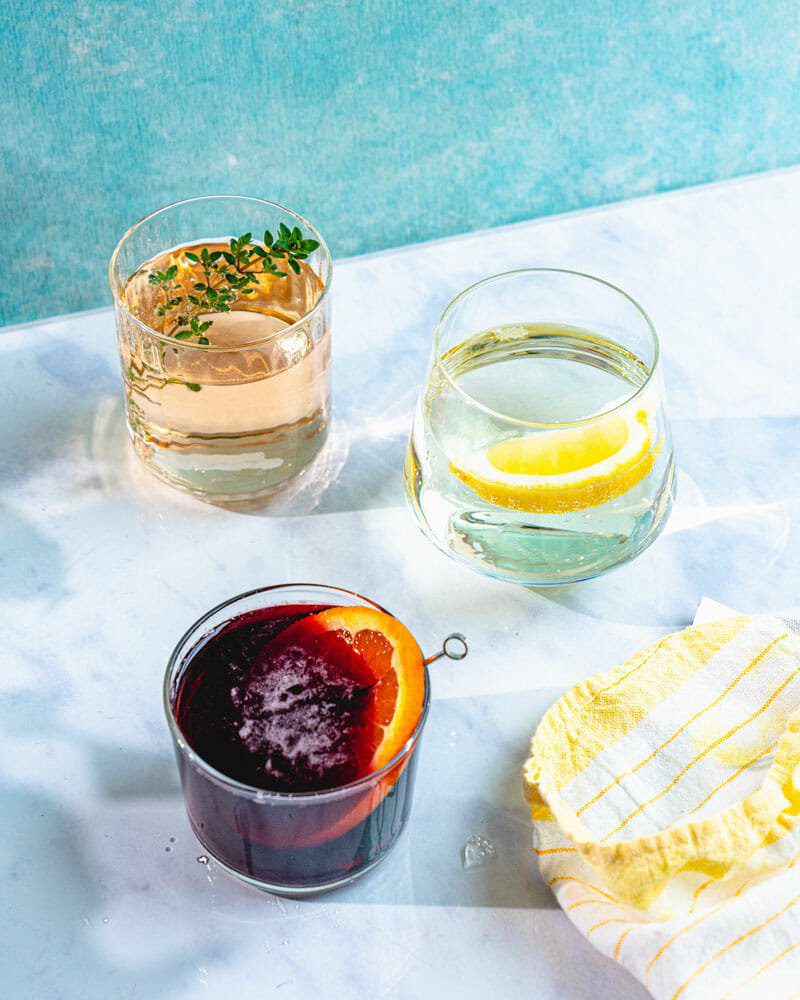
(227, 276)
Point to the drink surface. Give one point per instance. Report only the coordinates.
(535, 456)
(544, 374)
(284, 710)
(248, 411)
(272, 304)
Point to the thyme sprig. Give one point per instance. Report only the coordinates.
(226, 276)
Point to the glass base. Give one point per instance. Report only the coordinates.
(294, 891)
(612, 552)
(225, 478)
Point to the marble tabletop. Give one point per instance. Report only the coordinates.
(102, 568)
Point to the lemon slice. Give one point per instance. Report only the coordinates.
(564, 470)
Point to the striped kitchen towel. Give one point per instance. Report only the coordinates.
(665, 796)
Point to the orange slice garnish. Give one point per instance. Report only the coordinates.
(395, 660)
(392, 657)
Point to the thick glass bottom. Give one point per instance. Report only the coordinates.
(218, 475)
(535, 554)
(295, 891)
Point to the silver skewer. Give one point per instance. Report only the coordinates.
(454, 647)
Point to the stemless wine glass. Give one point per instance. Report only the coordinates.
(541, 449)
(238, 404)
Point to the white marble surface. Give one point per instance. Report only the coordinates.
(102, 567)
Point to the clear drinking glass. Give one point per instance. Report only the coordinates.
(234, 410)
(295, 843)
(541, 449)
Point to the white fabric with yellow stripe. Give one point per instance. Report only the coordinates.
(665, 796)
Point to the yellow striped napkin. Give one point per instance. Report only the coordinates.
(665, 796)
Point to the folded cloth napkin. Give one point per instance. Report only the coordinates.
(665, 796)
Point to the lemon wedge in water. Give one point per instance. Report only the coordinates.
(558, 471)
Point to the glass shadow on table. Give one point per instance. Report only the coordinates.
(78, 425)
(469, 786)
(732, 534)
(359, 468)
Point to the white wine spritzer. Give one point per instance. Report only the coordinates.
(541, 453)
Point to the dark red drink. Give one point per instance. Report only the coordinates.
(281, 719)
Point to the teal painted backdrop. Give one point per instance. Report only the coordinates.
(383, 121)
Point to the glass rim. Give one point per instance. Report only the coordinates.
(217, 197)
(557, 425)
(264, 794)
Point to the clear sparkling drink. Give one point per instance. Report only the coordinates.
(541, 452)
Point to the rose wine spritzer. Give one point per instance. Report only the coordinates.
(226, 365)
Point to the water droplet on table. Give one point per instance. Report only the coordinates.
(477, 852)
(105, 920)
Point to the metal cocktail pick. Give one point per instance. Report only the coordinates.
(454, 647)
